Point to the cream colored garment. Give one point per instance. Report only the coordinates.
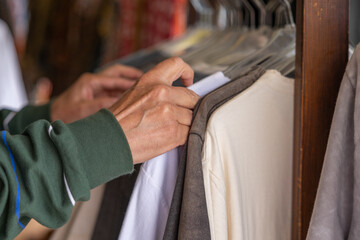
(247, 162)
(83, 218)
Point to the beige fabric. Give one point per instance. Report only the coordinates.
(34, 230)
(83, 218)
(247, 162)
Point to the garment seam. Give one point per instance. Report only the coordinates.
(68, 190)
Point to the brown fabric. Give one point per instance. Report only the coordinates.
(118, 192)
(336, 214)
(188, 217)
(65, 39)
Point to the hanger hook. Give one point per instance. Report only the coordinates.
(270, 8)
(204, 11)
(251, 12)
(289, 15)
(261, 6)
(238, 4)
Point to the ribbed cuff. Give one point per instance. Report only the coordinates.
(104, 146)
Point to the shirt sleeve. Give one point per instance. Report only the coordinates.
(16, 122)
(50, 166)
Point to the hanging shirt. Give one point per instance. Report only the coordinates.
(247, 162)
(188, 218)
(13, 94)
(149, 205)
(336, 212)
(118, 192)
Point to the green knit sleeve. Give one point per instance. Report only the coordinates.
(16, 122)
(50, 166)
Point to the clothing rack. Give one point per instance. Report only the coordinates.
(321, 57)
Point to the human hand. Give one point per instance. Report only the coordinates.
(43, 90)
(155, 116)
(122, 71)
(91, 92)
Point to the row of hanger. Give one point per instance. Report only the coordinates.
(235, 35)
(240, 12)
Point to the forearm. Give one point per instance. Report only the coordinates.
(57, 164)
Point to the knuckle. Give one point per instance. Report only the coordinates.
(166, 110)
(160, 92)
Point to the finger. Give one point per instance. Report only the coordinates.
(100, 83)
(43, 91)
(183, 133)
(130, 72)
(119, 70)
(170, 70)
(163, 94)
(183, 115)
(182, 97)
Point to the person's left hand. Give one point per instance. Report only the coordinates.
(91, 92)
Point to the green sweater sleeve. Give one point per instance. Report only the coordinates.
(16, 122)
(49, 166)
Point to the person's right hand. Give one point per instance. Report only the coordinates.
(155, 116)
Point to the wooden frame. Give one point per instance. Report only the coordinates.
(321, 57)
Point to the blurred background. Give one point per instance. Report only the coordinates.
(58, 40)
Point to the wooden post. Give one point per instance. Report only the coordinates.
(321, 57)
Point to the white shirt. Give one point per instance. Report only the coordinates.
(12, 89)
(149, 205)
(247, 162)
